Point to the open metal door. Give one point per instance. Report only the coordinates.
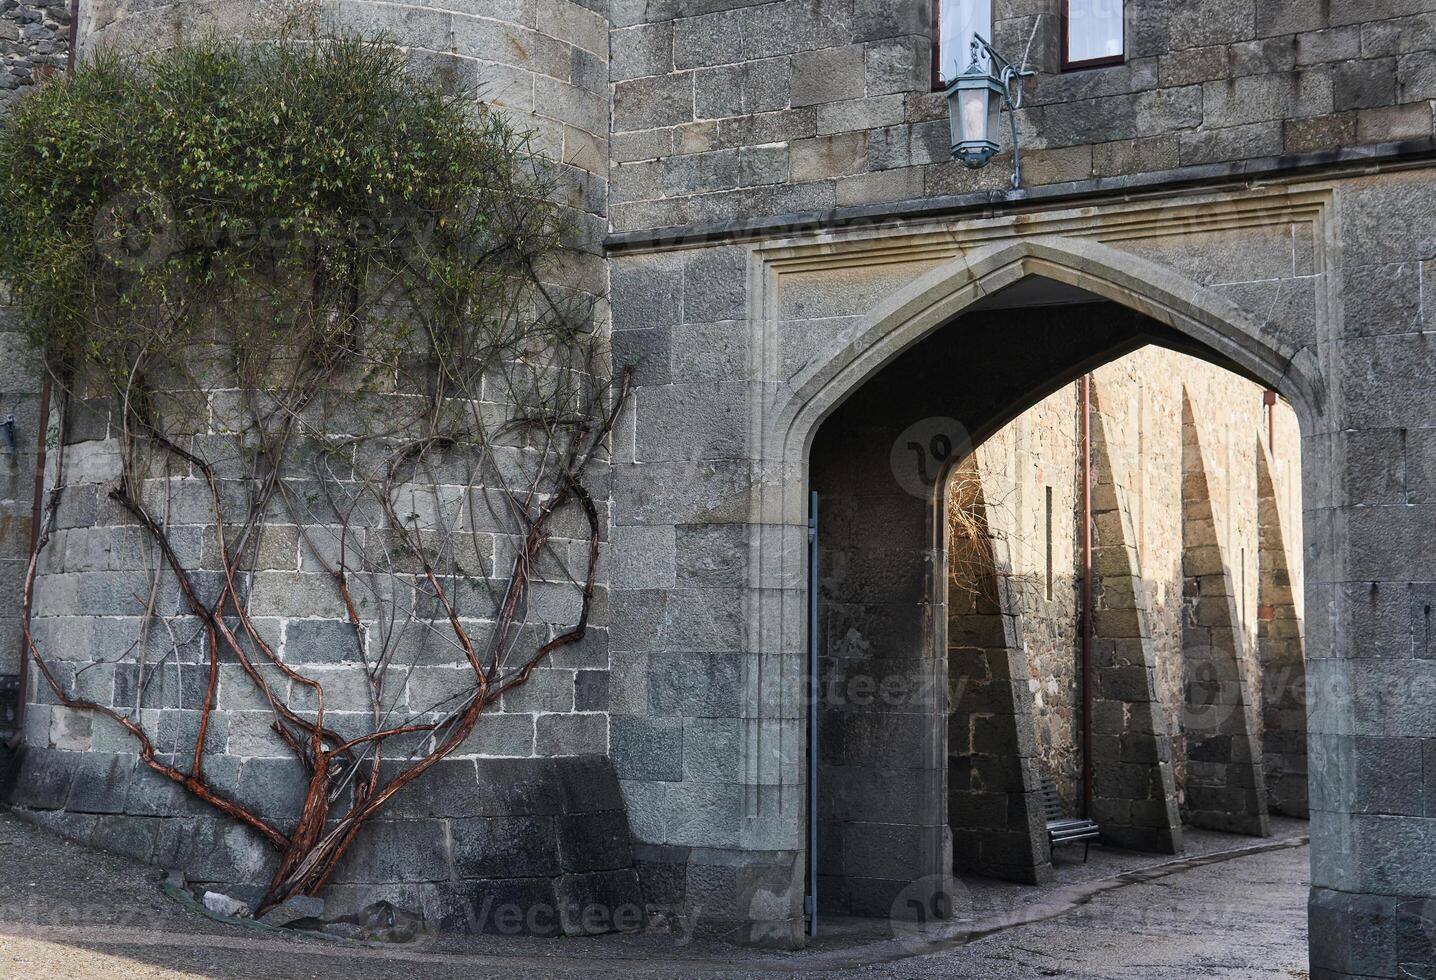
(810, 901)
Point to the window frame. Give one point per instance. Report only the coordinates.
(1104, 62)
(939, 83)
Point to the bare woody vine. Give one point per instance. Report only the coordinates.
(318, 291)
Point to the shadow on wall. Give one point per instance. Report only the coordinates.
(994, 782)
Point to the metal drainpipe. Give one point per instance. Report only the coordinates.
(38, 506)
(36, 512)
(1085, 614)
(1269, 400)
(74, 38)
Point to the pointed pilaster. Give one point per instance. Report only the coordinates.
(1225, 788)
(1134, 790)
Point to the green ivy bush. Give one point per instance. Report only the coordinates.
(290, 189)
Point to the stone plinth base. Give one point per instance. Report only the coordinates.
(495, 846)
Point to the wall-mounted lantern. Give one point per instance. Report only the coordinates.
(976, 100)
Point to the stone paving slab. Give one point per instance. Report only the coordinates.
(69, 912)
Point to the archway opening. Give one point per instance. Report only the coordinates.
(1058, 559)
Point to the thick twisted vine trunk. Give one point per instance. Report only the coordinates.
(323, 832)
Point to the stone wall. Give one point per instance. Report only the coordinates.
(20, 388)
(34, 42)
(1225, 788)
(1133, 795)
(547, 66)
(1280, 646)
(726, 110)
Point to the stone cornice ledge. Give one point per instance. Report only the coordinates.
(994, 203)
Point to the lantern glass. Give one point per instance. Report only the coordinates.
(972, 104)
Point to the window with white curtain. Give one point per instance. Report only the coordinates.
(958, 21)
(1093, 33)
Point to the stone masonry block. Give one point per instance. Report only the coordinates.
(647, 351)
(646, 293)
(1163, 111)
(694, 685)
(213, 851)
(1263, 56)
(901, 64)
(645, 748)
(708, 39)
(1257, 98)
(590, 690)
(828, 75)
(715, 285)
(445, 790)
(701, 173)
(397, 850)
(645, 49)
(132, 836)
(1319, 132)
(602, 901)
(828, 156)
(43, 780)
(320, 641)
(644, 103)
(597, 841)
(873, 19)
(563, 735)
(1364, 84)
(504, 847)
(1289, 16)
(1393, 124)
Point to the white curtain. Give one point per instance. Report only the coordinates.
(1094, 29)
(960, 20)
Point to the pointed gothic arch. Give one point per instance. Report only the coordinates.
(1210, 322)
(872, 390)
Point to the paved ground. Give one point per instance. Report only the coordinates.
(67, 911)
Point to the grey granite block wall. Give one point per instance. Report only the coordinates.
(835, 98)
(493, 846)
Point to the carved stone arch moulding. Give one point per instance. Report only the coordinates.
(924, 276)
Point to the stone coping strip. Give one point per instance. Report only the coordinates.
(661, 960)
(1200, 178)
